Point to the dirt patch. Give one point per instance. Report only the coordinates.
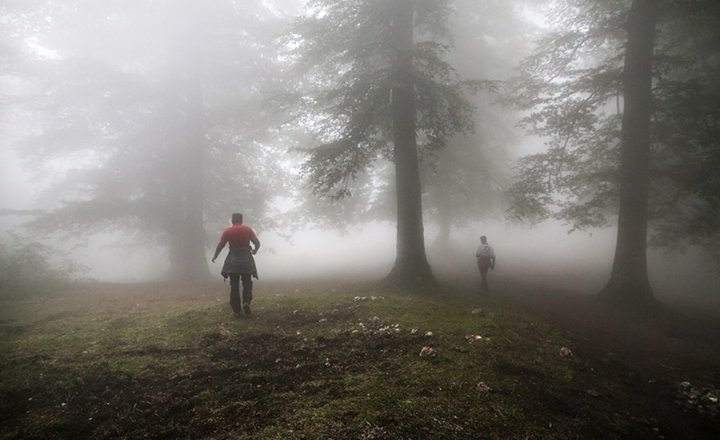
(241, 387)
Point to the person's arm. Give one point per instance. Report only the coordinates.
(256, 242)
(220, 246)
(492, 258)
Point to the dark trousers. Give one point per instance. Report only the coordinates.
(483, 277)
(247, 284)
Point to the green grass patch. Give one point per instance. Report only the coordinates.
(339, 363)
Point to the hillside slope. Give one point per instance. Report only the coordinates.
(341, 361)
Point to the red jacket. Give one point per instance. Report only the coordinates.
(238, 235)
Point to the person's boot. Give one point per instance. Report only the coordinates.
(246, 309)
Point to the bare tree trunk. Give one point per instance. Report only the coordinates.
(188, 247)
(629, 277)
(442, 240)
(440, 197)
(411, 265)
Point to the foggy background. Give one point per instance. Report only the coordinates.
(545, 256)
(83, 81)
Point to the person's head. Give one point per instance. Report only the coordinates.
(483, 239)
(237, 218)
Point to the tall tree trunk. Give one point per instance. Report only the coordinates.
(441, 199)
(411, 265)
(442, 240)
(188, 252)
(629, 277)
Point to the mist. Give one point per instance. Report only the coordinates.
(360, 219)
(132, 130)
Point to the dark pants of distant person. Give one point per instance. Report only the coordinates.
(247, 284)
(483, 266)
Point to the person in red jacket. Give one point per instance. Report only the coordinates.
(239, 263)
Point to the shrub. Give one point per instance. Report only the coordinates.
(31, 268)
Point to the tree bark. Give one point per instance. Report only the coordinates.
(628, 283)
(442, 239)
(411, 265)
(440, 196)
(188, 246)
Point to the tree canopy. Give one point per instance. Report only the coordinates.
(371, 92)
(156, 113)
(344, 51)
(571, 89)
(464, 138)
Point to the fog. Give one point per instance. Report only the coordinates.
(546, 257)
(131, 130)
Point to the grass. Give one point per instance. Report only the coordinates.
(342, 362)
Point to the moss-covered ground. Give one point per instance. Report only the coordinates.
(329, 361)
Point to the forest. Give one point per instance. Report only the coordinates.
(360, 219)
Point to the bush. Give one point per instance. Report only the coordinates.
(31, 268)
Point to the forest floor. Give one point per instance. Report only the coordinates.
(340, 360)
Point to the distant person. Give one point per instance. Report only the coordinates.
(239, 263)
(485, 256)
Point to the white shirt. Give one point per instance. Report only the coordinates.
(485, 250)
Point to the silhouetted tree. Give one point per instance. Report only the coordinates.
(623, 135)
(466, 180)
(410, 262)
(629, 277)
(155, 111)
(366, 83)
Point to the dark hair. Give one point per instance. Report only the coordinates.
(482, 237)
(237, 218)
